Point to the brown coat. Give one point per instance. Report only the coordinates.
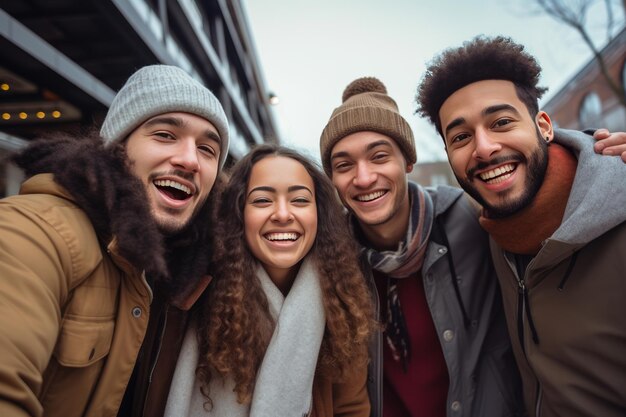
(73, 314)
(346, 399)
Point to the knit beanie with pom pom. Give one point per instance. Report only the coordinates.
(366, 107)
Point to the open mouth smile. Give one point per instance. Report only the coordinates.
(499, 174)
(173, 189)
(364, 198)
(282, 237)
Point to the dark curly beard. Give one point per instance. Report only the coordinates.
(535, 173)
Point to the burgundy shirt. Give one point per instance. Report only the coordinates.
(423, 389)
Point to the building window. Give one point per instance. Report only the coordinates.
(590, 115)
(438, 179)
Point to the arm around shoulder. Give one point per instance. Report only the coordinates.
(612, 144)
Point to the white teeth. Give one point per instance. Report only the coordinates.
(370, 196)
(500, 179)
(173, 184)
(281, 236)
(502, 173)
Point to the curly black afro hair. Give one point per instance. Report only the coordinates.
(480, 59)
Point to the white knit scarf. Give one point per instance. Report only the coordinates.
(284, 383)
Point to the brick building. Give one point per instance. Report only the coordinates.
(586, 100)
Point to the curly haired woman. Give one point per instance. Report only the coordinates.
(286, 322)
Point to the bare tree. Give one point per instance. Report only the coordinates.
(574, 14)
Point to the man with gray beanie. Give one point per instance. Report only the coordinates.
(106, 249)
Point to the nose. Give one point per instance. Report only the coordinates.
(185, 155)
(364, 176)
(282, 213)
(484, 145)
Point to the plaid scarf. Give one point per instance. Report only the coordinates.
(402, 263)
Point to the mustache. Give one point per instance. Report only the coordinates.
(495, 161)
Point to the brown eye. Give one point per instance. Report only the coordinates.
(207, 150)
(165, 135)
(460, 138)
(502, 122)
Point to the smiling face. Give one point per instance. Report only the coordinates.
(369, 174)
(497, 151)
(280, 216)
(175, 155)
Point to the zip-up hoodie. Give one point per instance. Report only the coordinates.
(569, 336)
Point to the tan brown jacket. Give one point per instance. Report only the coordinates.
(72, 314)
(346, 399)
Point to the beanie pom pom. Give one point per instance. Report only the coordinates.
(363, 85)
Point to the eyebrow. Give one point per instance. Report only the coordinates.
(456, 122)
(369, 148)
(290, 189)
(499, 107)
(179, 123)
(166, 120)
(487, 111)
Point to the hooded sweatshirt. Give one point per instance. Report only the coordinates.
(565, 309)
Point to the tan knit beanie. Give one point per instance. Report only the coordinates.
(366, 107)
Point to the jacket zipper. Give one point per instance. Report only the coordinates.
(523, 300)
(521, 293)
(538, 400)
(156, 360)
(523, 309)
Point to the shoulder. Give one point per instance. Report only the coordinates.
(49, 225)
(448, 199)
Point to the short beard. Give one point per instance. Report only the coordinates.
(169, 229)
(535, 174)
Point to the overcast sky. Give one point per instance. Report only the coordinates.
(311, 50)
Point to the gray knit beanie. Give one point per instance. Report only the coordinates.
(366, 107)
(158, 89)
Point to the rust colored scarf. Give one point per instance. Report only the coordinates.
(523, 232)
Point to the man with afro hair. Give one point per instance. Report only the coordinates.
(555, 214)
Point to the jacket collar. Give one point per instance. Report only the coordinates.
(187, 298)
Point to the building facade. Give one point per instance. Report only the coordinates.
(433, 174)
(63, 60)
(586, 101)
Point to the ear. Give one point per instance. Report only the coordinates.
(409, 168)
(545, 125)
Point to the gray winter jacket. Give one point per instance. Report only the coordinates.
(464, 300)
(568, 327)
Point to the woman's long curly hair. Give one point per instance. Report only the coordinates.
(234, 323)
